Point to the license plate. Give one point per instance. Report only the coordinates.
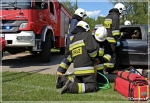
(2, 35)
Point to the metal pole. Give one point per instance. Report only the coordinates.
(76, 4)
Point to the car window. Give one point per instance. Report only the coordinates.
(131, 33)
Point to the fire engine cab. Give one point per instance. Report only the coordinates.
(34, 25)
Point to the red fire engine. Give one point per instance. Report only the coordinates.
(34, 25)
(2, 44)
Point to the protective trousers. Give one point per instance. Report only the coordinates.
(113, 58)
(113, 46)
(100, 78)
(83, 84)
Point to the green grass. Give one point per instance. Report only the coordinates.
(24, 86)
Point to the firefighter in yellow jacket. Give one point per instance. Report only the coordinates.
(83, 50)
(104, 56)
(111, 23)
(78, 16)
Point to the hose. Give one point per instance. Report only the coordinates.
(105, 86)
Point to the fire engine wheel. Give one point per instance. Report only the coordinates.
(45, 54)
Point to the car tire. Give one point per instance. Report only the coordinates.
(45, 54)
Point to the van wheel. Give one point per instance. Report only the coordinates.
(45, 54)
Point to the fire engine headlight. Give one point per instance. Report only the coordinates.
(25, 38)
(7, 27)
(23, 25)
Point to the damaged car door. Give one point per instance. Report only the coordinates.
(134, 50)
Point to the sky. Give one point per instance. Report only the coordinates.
(95, 9)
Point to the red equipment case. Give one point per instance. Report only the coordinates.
(133, 86)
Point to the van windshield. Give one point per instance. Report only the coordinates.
(15, 4)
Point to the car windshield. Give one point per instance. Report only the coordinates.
(11, 4)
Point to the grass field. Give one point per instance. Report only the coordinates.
(40, 87)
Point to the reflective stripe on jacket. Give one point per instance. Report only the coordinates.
(84, 70)
(112, 23)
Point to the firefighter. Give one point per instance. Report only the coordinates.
(127, 22)
(83, 49)
(136, 34)
(100, 36)
(111, 23)
(78, 16)
(126, 34)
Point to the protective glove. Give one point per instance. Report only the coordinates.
(118, 43)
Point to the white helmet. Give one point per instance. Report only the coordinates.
(80, 12)
(83, 25)
(101, 34)
(120, 7)
(127, 22)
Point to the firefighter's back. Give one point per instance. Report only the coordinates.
(79, 53)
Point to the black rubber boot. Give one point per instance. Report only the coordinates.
(59, 83)
(65, 87)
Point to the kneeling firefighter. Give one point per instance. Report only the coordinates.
(105, 55)
(83, 50)
(78, 16)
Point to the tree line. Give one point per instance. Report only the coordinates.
(136, 12)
